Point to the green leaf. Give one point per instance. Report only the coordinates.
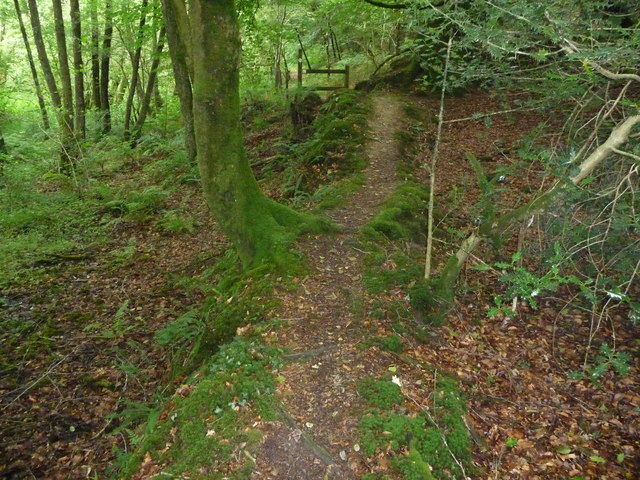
(620, 457)
(597, 459)
(511, 442)
(575, 375)
(563, 450)
(481, 267)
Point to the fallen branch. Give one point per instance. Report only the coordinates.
(618, 136)
(39, 379)
(388, 59)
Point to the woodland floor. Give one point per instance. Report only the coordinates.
(55, 406)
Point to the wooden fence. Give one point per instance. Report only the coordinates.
(343, 71)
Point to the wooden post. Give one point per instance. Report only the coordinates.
(346, 76)
(300, 67)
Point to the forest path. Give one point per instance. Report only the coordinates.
(317, 437)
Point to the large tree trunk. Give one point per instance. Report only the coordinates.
(261, 229)
(32, 66)
(63, 65)
(67, 158)
(151, 83)
(95, 56)
(135, 69)
(78, 69)
(50, 80)
(180, 63)
(105, 59)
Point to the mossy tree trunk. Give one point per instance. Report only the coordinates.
(67, 159)
(63, 65)
(32, 66)
(105, 59)
(151, 88)
(135, 69)
(78, 67)
(261, 229)
(95, 56)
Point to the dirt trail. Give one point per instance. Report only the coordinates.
(318, 432)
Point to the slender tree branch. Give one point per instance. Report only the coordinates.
(618, 136)
(626, 154)
(393, 6)
(572, 48)
(395, 55)
(614, 76)
(434, 159)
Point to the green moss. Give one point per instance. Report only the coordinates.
(413, 466)
(383, 394)
(198, 429)
(391, 343)
(416, 442)
(402, 215)
(431, 299)
(335, 145)
(336, 195)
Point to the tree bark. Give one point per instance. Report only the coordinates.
(67, 157)
(63, 65)
(135, 67)
(32, 66)
(78, 67)
(105, 59)
(261, 229)
(3, 150)
(42, 55)
(151, 81)
(95, 56)
(179, 61)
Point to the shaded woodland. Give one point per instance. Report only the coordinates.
(219, 261)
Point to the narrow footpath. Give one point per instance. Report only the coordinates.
(317, 435)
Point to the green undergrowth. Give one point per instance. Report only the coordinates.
(48, 219)
(332, 150)
(394, 241)
(430, 444)
(234, 299)
(406, 140)
(336, 194)
(40, 224)
(198, 431)
(230, 374)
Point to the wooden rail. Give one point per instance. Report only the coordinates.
(342, 71)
